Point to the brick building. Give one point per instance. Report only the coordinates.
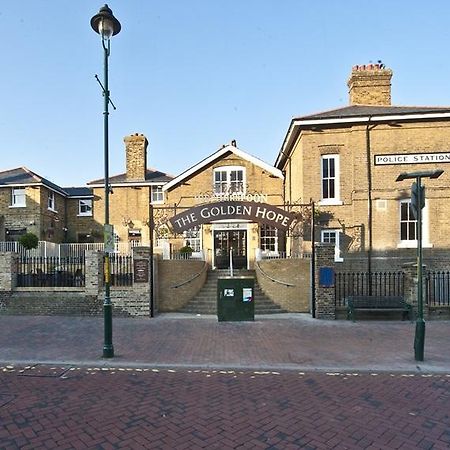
(224, 197)
(347, 160)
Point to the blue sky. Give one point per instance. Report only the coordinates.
(193, 75)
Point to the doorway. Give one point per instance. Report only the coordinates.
(226, 240)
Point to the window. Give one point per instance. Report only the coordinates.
(333, 237)
(18, 197)
(229, 180)
(51, 201)
(157, 194)
(268, 240)
(408, 223)
(85, 207)
(330, 179)
(192, 238)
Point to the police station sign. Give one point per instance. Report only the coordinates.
(412, 158)
(255, 212)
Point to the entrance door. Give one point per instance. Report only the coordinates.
(227, 240)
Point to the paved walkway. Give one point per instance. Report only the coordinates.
(291, 341)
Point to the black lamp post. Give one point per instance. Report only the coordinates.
(106, 25)
(417, 203)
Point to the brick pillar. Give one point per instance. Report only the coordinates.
(93, 272)
(141, 284)
(325, 302)
(8, 270)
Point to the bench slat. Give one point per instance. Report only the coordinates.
(376, 303)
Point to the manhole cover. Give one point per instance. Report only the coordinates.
(43, 371)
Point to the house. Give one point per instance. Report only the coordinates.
(31, 203)
(347, 161)
(131, 194)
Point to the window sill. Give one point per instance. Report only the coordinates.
(17, 206)
(53, 210)
(84, 215)
(158, 202)
(413, 244)
(331, 202)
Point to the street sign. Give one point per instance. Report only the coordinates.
(108, 234)
(417, 198)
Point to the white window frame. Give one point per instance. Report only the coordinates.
(88, 203)
(266, 239)
(227, 182)
(337, 241)
(51, 201)
(412, 243)
(193, 238)
(157, 194)
(18, 198)
(335, 200)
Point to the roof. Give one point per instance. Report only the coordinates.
(370, 110)
(217, 155)
(22, 176)
(79, 191)
(357, 114)
(151, 177)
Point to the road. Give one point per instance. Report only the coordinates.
(79, 407)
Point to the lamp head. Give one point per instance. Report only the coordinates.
(105, 24)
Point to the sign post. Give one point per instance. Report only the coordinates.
(417, 204)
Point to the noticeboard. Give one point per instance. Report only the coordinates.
(141, 270)
(326, 277)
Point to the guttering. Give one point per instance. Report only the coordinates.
(138, 184)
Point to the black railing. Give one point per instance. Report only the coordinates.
(437, 285)
(121, 270)
(363, 283)
(52, 271)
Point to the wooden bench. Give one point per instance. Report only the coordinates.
(370, 303)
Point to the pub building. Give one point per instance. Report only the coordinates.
(228, 205)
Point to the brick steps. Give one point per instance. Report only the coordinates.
(206, 300)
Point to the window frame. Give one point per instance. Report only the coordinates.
(228, 182)
(337, 241)
(266, 240)
(51, 201)
(85, 213)
(412, 243)
(335, 180)
(15, 195)
(158, 190)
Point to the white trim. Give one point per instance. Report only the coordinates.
(337, 248)
(412, 243)
(140, 184)
(218, 154)
(337, 180)
(351, 119)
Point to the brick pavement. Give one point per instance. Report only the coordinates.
(282, 342)
(144, 408)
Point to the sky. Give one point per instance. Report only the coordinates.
(194, 75)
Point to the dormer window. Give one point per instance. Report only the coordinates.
(229, 180)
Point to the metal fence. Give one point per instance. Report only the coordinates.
(51, 271)
(437, 285)
(364, 283)
(121, 270)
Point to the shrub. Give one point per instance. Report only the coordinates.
(29, 241)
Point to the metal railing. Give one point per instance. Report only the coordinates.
(51, 271)
(121, 270)
(363, 283)
(437, 288)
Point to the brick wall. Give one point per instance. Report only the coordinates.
(295, 294)
(172, 274)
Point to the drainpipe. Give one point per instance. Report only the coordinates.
(369, 202)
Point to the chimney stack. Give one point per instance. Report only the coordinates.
(136, 156)
(370, 84)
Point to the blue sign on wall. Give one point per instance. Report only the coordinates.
(326, 277)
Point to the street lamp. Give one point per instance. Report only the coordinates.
(106, 25)
(417, 203)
